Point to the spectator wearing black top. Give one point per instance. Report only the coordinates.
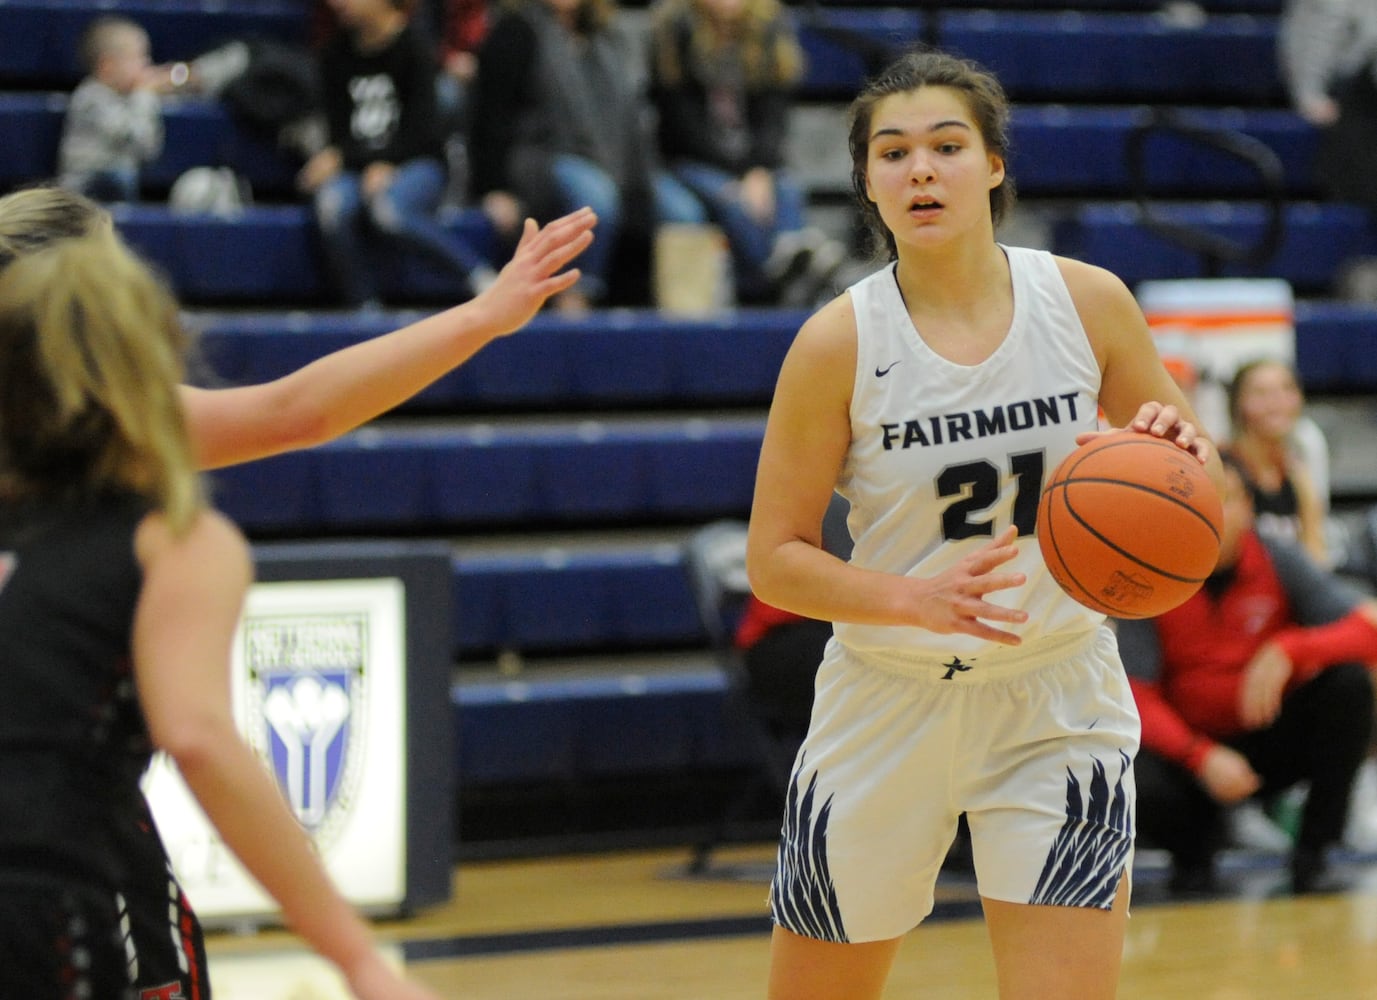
(383, 171)
(723, 74)
(559, 121)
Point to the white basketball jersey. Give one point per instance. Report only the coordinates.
(945, 456)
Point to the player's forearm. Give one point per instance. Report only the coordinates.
(360, 382)
(333, 394)
(248, 811)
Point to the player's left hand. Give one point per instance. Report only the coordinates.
(534, 273)
(1161, 420)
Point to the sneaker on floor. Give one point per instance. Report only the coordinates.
(1311, 874)
(1252, 829)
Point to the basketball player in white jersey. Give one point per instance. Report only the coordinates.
(936, 395)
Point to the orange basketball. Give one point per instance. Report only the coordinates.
(1129, 525)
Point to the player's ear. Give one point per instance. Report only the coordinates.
(996, 170)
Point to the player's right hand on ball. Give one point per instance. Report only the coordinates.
(954, 600)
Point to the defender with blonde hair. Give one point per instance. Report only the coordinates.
(121, 593)
(91, 353)
(117, 401)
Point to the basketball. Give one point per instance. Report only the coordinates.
(1129, 525)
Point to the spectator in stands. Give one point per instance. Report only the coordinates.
(1328, 55)
(122, 591)
(1256, 683)
(558, 120)
(320, 401)
(462, 28)
(114, 121)
(781, 650)
(383, 172)
(1265, 404)
(722, 76)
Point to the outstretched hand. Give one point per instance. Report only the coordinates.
(1161, 420)
(955, 599)
(535, 271)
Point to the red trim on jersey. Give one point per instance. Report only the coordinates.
(187, 926)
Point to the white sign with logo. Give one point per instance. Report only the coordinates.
(319, 688)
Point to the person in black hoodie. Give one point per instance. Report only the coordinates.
(383, 171)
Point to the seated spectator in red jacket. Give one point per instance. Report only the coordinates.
(781, 651)
(1256, 684)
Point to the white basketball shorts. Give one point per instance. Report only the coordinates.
(1037, 753)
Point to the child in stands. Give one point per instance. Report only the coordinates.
(114, 123)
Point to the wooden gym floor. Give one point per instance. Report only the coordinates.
(635, 925)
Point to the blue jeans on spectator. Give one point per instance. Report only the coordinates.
(582, 182)
(750, 239)
(404, 212)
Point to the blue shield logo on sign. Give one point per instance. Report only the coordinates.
(307, 697)
(308, 727)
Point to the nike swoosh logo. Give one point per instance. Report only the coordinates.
(882, 372)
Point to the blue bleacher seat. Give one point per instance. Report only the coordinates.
(1336, 347)
(32, 127)
(577, 728)
(41, 39)
(642, 358)
(557, 600)
(1070, 56)
(266, 254)
(1318, 238)
(624, 358)
(663, 470)
(270, 254)
(843, 47)
(1066, 151)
